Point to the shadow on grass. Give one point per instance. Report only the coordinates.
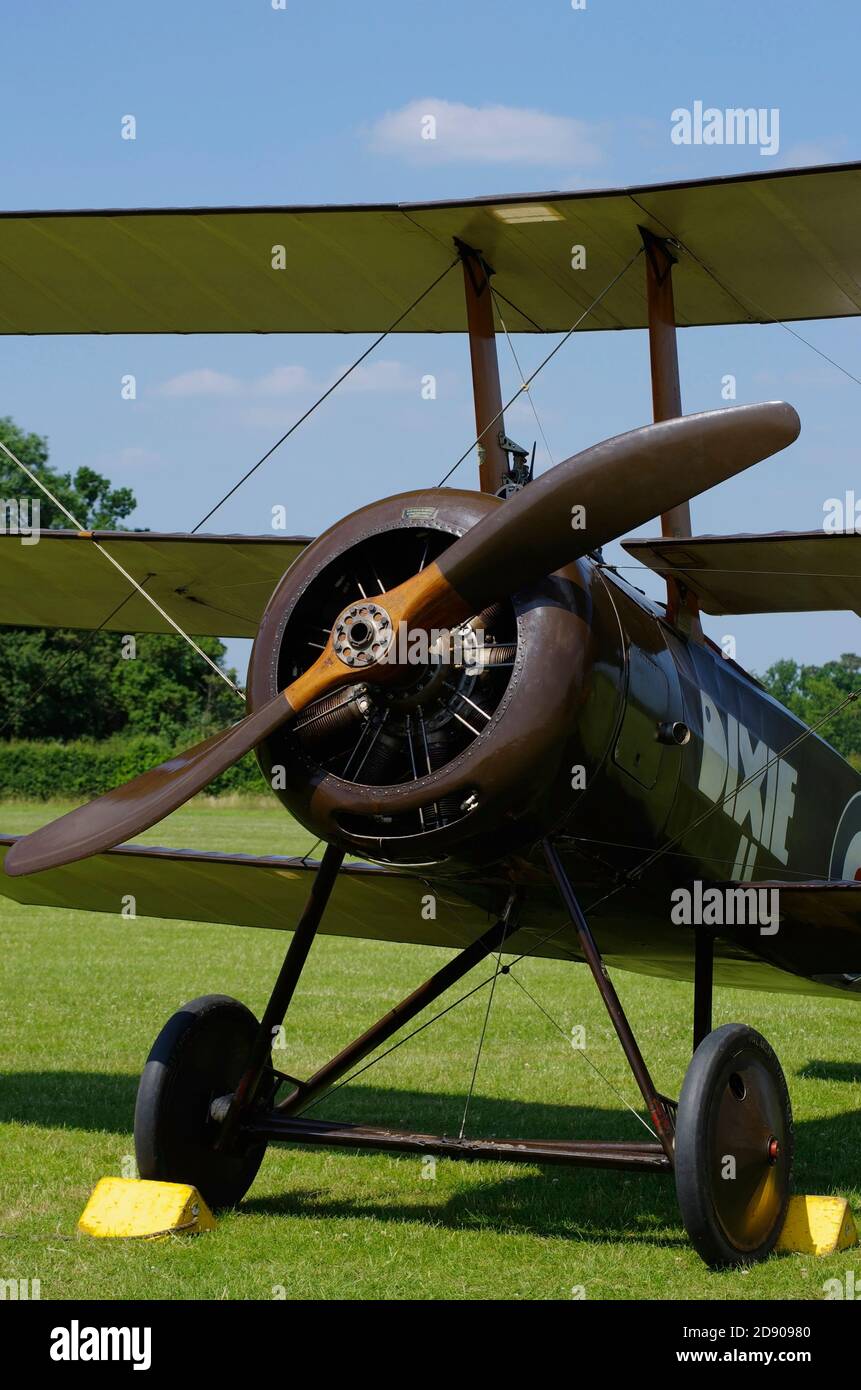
(69, 1100)
(816, 1070)
(586, 1203)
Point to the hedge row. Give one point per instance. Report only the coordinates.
(40, 770)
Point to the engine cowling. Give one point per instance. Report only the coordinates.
(461, 761)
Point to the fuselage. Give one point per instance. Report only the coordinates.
(752, 795)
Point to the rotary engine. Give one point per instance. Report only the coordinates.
(465, 756)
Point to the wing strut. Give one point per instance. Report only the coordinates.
(682, 606)
(486, 389)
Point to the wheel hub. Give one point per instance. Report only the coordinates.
(733, 1152)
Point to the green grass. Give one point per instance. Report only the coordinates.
(84, 995)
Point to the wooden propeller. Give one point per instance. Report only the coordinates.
(572, 509)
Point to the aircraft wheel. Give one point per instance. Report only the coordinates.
(733, 1148)
(199, 1055)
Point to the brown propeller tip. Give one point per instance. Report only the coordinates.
(787, 415)
(24, 858)
(779, 418)
(11, 864)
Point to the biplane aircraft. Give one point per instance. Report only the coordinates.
(453, 689)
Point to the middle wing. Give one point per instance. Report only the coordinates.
(785, 572)
(215, 586)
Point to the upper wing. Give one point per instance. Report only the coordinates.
(354, 269)
(214, 586)
(785, 572)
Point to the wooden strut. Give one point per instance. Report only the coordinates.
(682, 606)
(249, 1116)
(486, 389)
(655, 1103)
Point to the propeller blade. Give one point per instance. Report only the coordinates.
(575, 507)
(619, 484)
(132, 808)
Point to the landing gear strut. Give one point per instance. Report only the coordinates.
(206, 1105)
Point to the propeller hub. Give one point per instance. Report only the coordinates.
(363, 634)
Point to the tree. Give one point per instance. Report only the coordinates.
(56, 683)
(168, 689)
(88, 496)
(812, 692)
(60, 684)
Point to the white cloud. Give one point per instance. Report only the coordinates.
(201, 382)
(283, 381)
(484, 135)
(810, 152)
(380, 376)
(290, 380)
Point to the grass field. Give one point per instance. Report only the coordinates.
(83, 996)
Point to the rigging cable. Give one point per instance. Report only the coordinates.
(529, 395)
(541, 365)
(626, 882)
(582, 1052)
(483, 1033)
(743, 298)
(329, 389)
(139, 588)
(83, 532)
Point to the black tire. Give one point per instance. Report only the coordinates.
(199, 1055)
(734, 1105)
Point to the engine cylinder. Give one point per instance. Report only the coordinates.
(469, 757)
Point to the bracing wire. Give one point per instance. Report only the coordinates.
(764, 313)
(329, 389)
(82, 531)
(139, 588)
(626, 882)
(529, 394)
(481, 1039)
(542, 364)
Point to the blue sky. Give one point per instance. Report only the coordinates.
(239, 103)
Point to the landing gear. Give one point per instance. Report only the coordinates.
(733, 1147)
(207, 1104)
(199, 1056)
